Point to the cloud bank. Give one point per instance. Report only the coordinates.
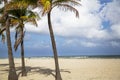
(90, 25)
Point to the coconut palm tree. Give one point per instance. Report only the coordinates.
(6, 20)
(19, 16)
(47, 7)
(20, 36)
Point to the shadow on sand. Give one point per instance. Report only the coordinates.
(41, 70)
(33, 70)
(3, 65)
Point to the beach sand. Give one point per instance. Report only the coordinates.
(71, 69)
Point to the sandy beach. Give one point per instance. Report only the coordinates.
(71, 69)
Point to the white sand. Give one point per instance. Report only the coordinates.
(71, 69)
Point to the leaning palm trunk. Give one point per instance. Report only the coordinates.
(22, 56)
(12, 72)
(58, 75)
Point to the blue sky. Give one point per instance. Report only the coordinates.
(95, 32)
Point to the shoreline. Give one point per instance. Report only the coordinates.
(76, 57)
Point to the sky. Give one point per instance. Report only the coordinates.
(95, 32)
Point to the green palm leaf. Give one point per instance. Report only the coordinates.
(71, 2)
(67, 7)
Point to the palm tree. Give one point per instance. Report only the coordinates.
(47, 6)
(6, 19)
(20, 15)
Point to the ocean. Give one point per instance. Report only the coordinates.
(76, 57)
(82, 57)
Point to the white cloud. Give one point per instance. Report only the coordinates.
(39, 45)
(78, 42)
(91, 6)
(65, 23)
(111, 12)
(89, 44)
(88, 26)
(115, 43)
(116, 30)
(41, 28)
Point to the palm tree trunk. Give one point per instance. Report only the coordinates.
(22, 55)
(12, 72)
(58, 75)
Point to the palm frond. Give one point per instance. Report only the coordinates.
(31, 17)
(2, 30)
(31, 2)
(16, 5)
(32, 14)
(24, 18)
(2, 34)
(19, 36)
(45, 5)
(17, 42)
(16, 35)
(70, 2)
(3, 38)
(1, 10)
(33, 21)
(67, 7)
(14, 22)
